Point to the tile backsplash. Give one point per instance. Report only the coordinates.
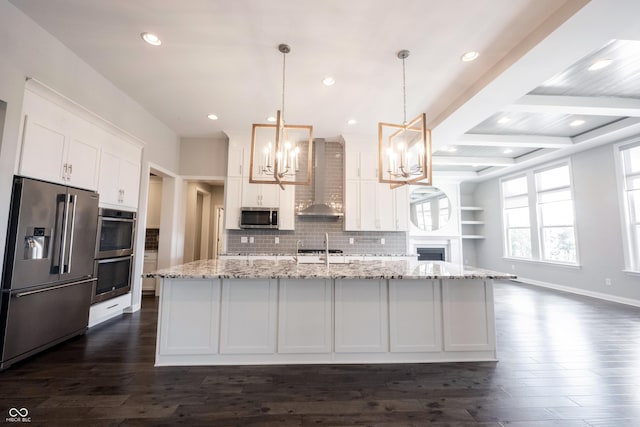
(311, 230)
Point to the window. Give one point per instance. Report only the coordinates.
(539, 220)
(555, 215)
(516, 217)
(630, 155)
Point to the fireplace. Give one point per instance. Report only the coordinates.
(432, 254)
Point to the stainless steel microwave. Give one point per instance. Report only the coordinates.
(259, 218)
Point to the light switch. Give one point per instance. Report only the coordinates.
(351, 240)
(277, 240)
(382, 241)
(243, 239)
(251, 239)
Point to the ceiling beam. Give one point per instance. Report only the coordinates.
(471, 161)
(582, 105)
(520, 141)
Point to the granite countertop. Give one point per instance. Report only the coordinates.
(262, 268)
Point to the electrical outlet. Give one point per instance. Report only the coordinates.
(351, 240)
(513, 267)
(251, 239)
(243, 239)
(607, 281)
(382, 241)
(277, 241)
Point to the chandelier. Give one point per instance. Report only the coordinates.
(404, 150)
(280, 152)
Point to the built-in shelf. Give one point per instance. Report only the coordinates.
(471, 220)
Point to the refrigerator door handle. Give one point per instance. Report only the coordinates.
(65, 222)
(58, 236)
(73, 199)
(66, 285)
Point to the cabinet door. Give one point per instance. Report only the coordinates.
(368, 206)
(83, 160)
(129, 181)
(248, 316)
(352, 205)
(475, 330)
(270, 195)
(361, 316)
(351, 164)
(250, 194)
(287, 208)
(108, 181)
(235, 162)
(414, 316)
(189, 321)
(43, 150)
(401, 205)
(384, 210)
(369, 163)
(233, 198)
(304, 316)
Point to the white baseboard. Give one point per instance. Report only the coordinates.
(132, 308)
(569, 289)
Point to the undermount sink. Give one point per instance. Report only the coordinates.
(317, 259)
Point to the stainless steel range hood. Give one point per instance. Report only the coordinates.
(319, 208)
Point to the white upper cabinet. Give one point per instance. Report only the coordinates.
(361, 164)
(260, 195)
(232, 191)
(57, 146)
(119, 180)
(61, 143)
(235, 161)
(287, 207)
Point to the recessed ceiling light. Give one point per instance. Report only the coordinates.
(600, 64)
(504, 119)
(328, 81)
(152, 39)
(271, 119)
(452, 149)
(212, 117)
(469, 56)
(576, 123)
(507, 151)
(352, 121)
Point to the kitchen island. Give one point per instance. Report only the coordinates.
(229, 312)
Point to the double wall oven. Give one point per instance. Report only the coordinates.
(114, 253)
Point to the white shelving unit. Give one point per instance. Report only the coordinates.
(471, 221)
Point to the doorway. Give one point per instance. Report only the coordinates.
(202, 232)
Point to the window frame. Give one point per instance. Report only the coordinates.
(536, 227)
(629, 236)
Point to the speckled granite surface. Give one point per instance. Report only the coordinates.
(261, 268)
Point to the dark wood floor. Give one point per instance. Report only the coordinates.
(564, 361)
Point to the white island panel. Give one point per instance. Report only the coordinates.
(189, 317)
(468, 315)
(305, 316)
(361, 316)
(248, 316)
(414, 316)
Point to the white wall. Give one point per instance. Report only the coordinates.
(599, 232)
(203, 157)
(29, 51)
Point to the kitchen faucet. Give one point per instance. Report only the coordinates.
(326, 248)
(298, 244)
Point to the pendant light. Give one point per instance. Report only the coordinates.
(404, 150)
(280, 152)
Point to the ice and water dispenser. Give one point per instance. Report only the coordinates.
(36, 243)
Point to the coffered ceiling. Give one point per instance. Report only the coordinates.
(220, 56)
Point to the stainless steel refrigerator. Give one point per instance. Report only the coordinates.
(48, 267)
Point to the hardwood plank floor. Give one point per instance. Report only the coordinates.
(565, 360)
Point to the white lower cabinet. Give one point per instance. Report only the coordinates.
(475, 330)
(361, 316)
(108, 309)
(305, 316)
(189, 317)
(415, 316)
(248, 316)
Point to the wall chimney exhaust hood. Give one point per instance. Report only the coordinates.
(319, 208)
